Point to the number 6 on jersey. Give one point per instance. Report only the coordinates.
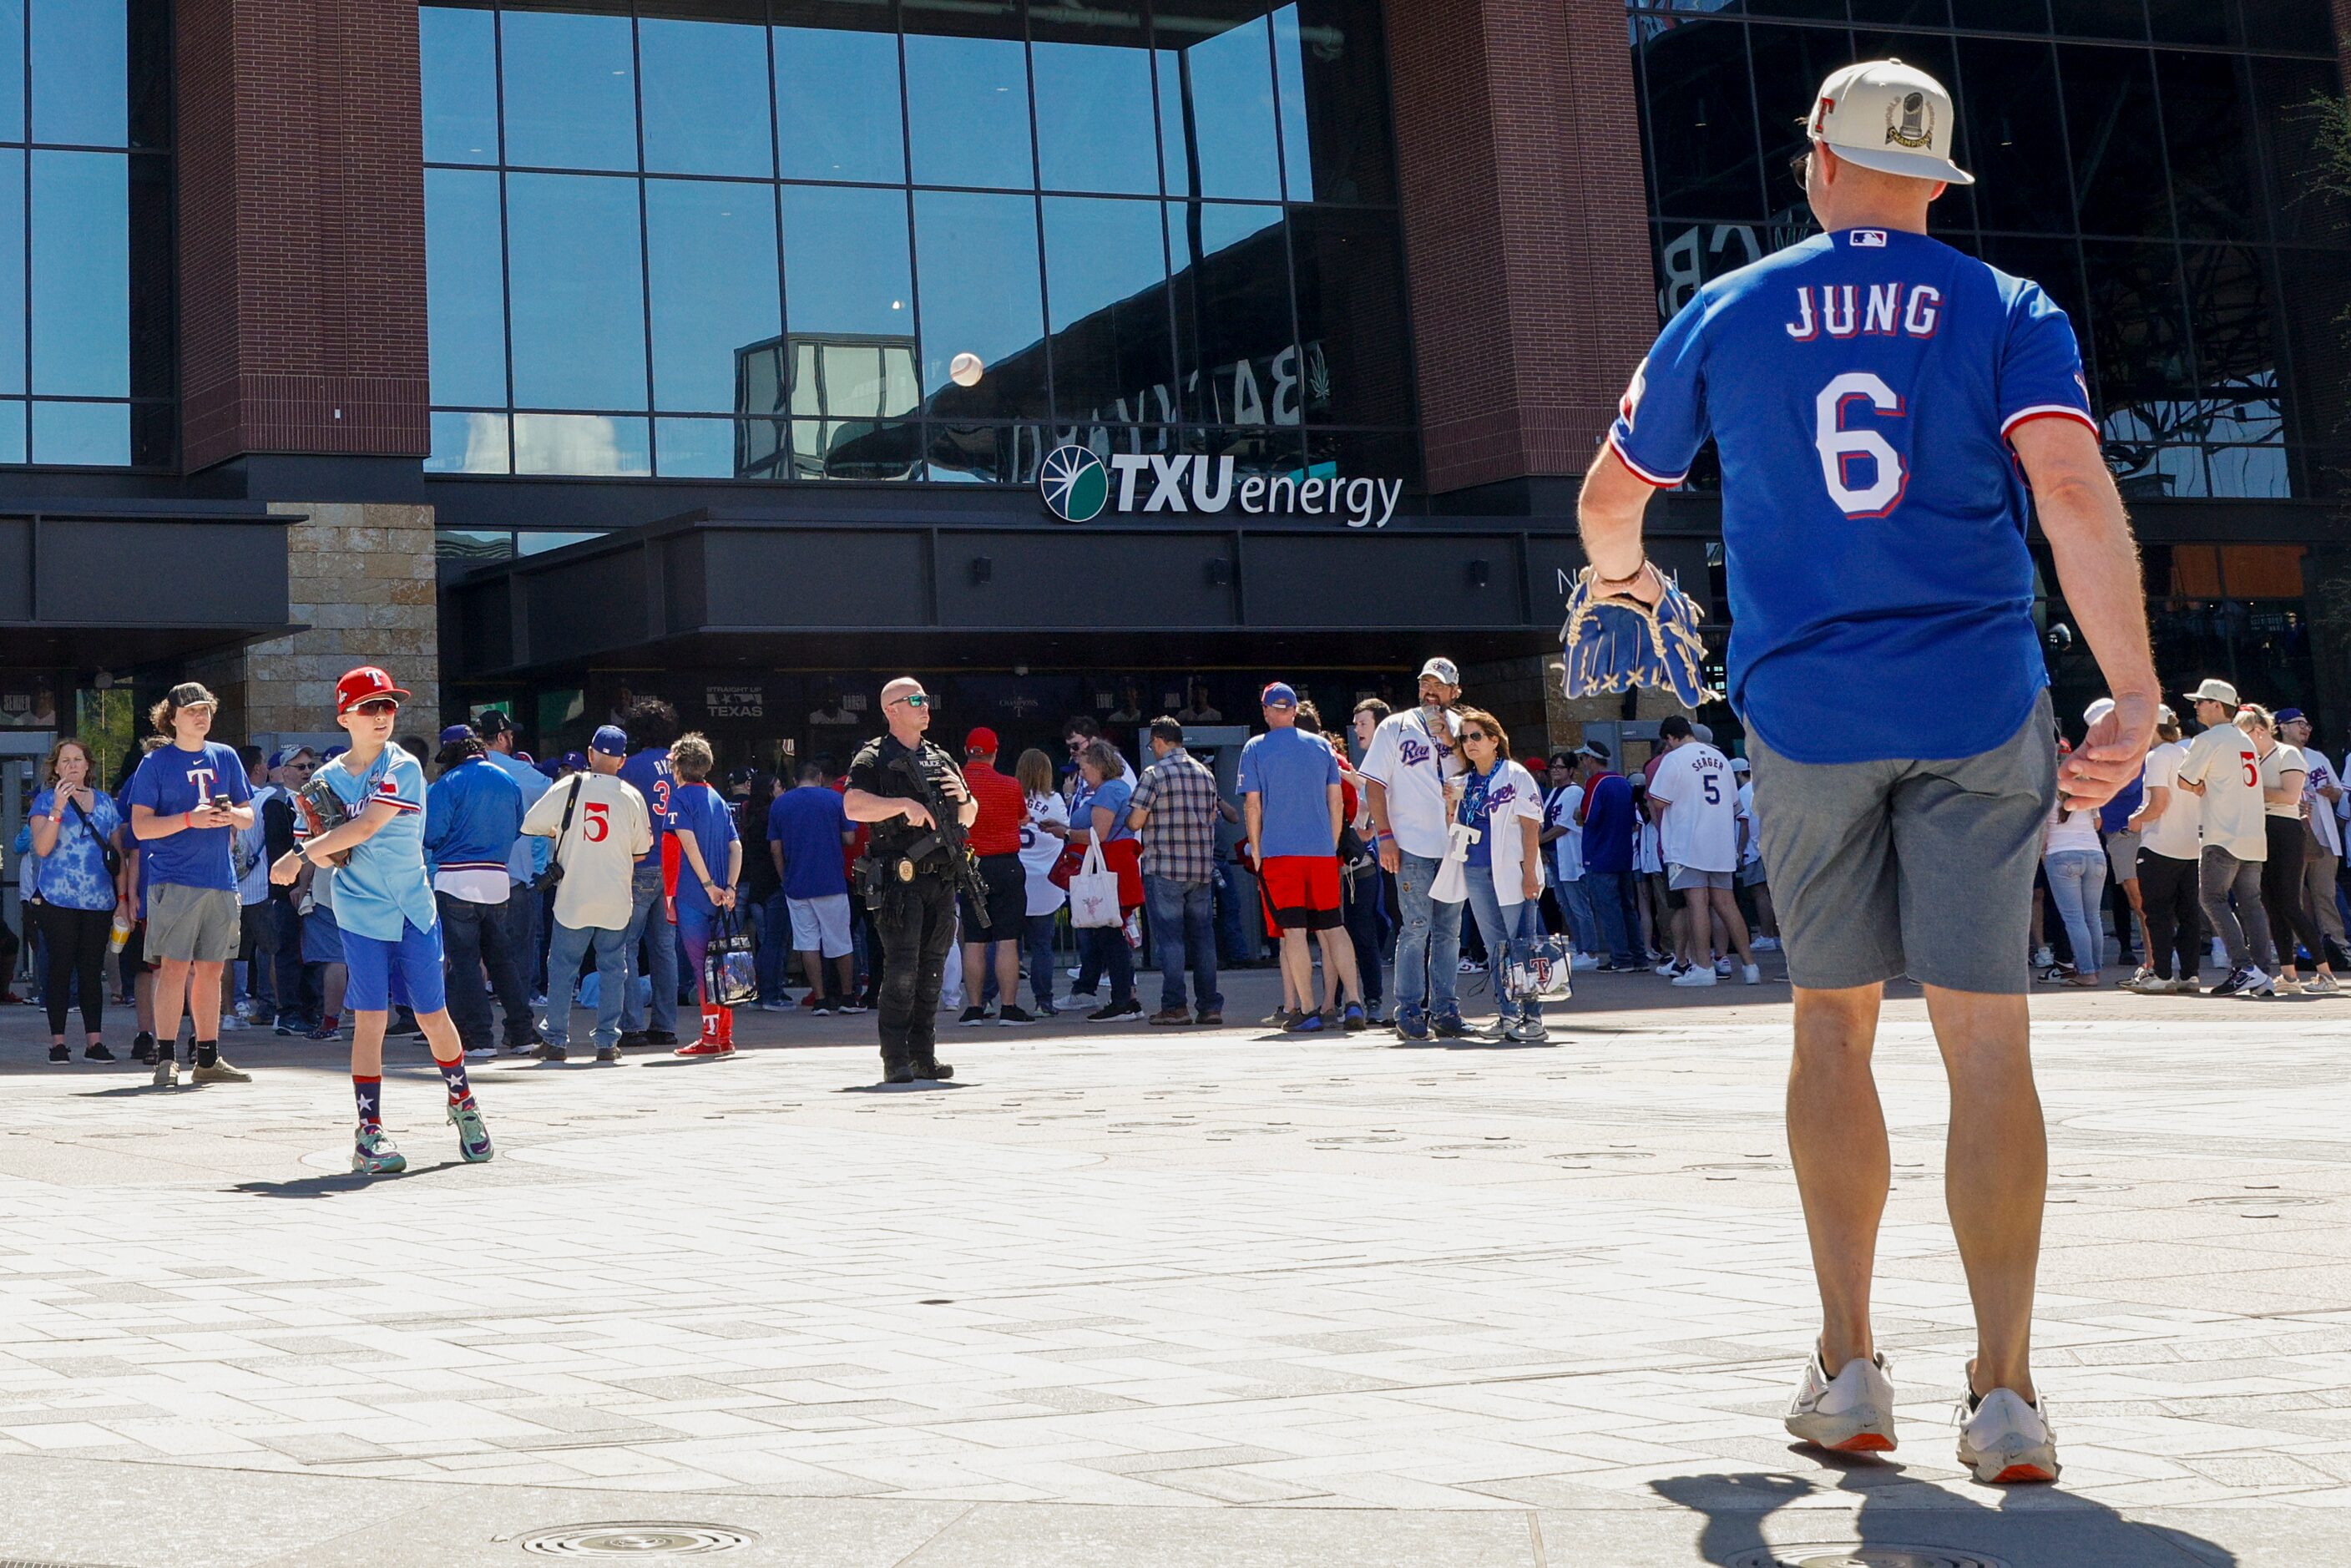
(1839, 446)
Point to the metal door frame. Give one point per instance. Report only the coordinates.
(21, 754)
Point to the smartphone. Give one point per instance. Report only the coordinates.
(223, 804)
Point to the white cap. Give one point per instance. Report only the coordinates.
(2213, 690)
(2097, 710)
(1890, 117)
(1442, 669)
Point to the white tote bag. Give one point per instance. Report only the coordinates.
(1094, 892)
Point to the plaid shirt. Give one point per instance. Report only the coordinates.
(1179, 843)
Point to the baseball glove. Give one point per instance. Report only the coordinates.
(321, 810)
(1615, 642)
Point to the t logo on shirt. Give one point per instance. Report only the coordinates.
(202, 776)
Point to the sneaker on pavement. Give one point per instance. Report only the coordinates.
(1280, 1017)
(2258, 983)
(2043, 956)
(634, 1040)
(2321, 986)
(1171, 1017)
(557, 1053)
(1695, 976)
(607, 1053)
(1353, 1020)
(932, 1070)
(973, 1016)
(220, 1071)
(1851, 1413)
(62, 1053)
(1584, 963)
(822, 1010)
(1669, 969)
(779, 1007)
(167, 1069)
(1764, 945)
(1305, 1023)
(473, 1134)
(2232, 982)
(1723, 966)
(1471, 967)
(2002, 1438)
(1012, 1015)
(659, 1037)
(96, 1053)
(699, 1049)
(2185, 986)
(1449, 1027)
(1411, 1025)
(1212, 1018)
(1114, 1012)
(142, 1047)
(2148, 983)
(853, 1007)
(230, 1023)
(374, 1155)
(1752, 974)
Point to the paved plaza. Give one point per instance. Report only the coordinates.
(1146, 1297)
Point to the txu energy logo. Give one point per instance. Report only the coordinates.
(1079, 486)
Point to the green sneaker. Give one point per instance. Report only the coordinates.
(374, 1155)
(473, 1134)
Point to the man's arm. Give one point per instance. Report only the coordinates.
(2158, 797)
(1608, 514)
(1338, 812)
(2098, 572)
(1253, 823)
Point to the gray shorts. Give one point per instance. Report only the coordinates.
(2122, 855)
(1682, 879)
(1923, 868)
(202, 923)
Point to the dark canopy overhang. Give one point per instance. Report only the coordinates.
(100, 584)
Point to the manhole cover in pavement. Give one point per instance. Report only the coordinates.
(637, 1539)
(1863, 1557)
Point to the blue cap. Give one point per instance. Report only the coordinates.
(577, 761)
(285, 754)
(612, 740)
(455, 733)
(1277, 695)
(2287, 714)
(332, 752)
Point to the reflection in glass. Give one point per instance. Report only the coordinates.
(81, 51)
(1094, 105)
(571, 91)
(711, 247)
(2010, 104)
(1335, 122)
(968, 110)
(2117, 141)
(577, 293)
(457, 59)
(81, 277)
(12, 280)
(1290, 81)
(983, 453)
(1702, 121)
(581, 444)
(473, 546)
(12, 125)
(976, 257)
(850, 449)
(1216, 126)
(1259, 450)
(706, 96)
(1105, 283)
(82, 434)
(538, 541)
(845, 262)
(1790, 63)
(12, 431)
(837, 103)
(693, 448)
(465, 287)
(1231, 286)
(2208, 131)
(2100, 18)
(1351, 321)
(468, 443)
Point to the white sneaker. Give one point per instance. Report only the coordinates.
(1752, 974)
(2321, 986)
(1695, 976)
(1586, 961)
(1764, 945)
(230, 1023)
(2259, 983)
(1722, 966)
(2043, 957)
(2005, 1439)
(2185, 986)
(2148, 983)
(1851, 1413)
(1670, 968)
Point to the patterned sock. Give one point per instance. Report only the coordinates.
(452, 1073)
(369, 1093)
(207, 1052)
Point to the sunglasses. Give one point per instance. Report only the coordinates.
(1474, 735)
(376, 707)
(301, 767)
(918, 699)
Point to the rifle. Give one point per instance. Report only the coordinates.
(947, 831)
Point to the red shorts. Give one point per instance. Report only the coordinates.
(1302, 892)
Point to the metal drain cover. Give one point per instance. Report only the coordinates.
(1837, 1556)
(639, 1539)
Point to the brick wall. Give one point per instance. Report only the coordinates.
(301, 230)
(1526, 226)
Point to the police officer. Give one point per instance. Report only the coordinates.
(914, 896)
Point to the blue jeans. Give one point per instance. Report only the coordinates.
(775, 945)
(522, 933)
(1367, 929)
(1613, 907)
(647, 920)
(1233, 944)
(1103, 947)
(564, 951)
(474, 938)
(1038, 936)
(1184, 922)
(1429, 948)
(2076, 877)
(1582, 922)
(1510, 935)
(288, 958)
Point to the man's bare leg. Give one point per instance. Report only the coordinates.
(1995, 1173)
(1836, 1137)
(1339, 982)
(1734, 924)
(170, 998)
(1297, 968)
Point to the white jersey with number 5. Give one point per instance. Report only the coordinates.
(1700, 827)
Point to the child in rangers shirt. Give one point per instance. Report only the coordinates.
(390, 922)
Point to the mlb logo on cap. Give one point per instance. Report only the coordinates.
(365, 684)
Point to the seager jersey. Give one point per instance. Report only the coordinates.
(1860, 388)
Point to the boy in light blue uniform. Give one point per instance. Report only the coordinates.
(390, 921)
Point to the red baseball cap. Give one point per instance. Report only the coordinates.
(980, 742)
(364, 684)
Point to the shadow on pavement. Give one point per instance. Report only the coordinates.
(920, 1086)
(332, 1185)
(2024, 1527)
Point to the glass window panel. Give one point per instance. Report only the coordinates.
(705, 94)
(1094, 112)
(2229, 317)
(2099, 18)
(2287, 25)
(694, 448)
(849, 296)
(464, 289)
(837, 96)
(473, 546)
(1789, 65)
(154, 334)
(538, 541)
(2208, 127)
(983, 453)
(1259, 449)
(82, 73)
(2137, 336)
(82, 434)
(469, 444)
(711, 248)
(593, 445)
(574, 276)
(2007, 102)
(12, 276)
(457, 58)
(1231, 286)
(1904, 14)
(571, 91)
(1352, 368)
(1367, 455)
(12, 111)
(967, 106)
(2318, 291)
(1334, 100)
(2117, 141)
(850, 449)
(1216, 128)
(2302, 207)
(2189, 21)
(976, 258)
(1819, 10)
(1106, 284)
(12, 431)
(81, 275)
(2002, 15)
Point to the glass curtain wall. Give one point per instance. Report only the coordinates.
(85, 331)
(774, 239)
(2148, 161)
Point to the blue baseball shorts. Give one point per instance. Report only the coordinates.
(383, 972)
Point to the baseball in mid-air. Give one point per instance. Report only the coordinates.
(964, 369)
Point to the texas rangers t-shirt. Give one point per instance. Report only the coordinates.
(1700, 827)
(2322, 809)
(171, 781)
(1412, 756)
(655, 776)
(1860, 388)
(2223, 761)
(702, 811)
(384, 886)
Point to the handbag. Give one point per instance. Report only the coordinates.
(1072, 856)
(545, 880)
(113, 856)
(1094, 892)
(730, 973)
(1546, 974)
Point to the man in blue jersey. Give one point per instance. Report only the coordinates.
(1884, 408)
(651, 725)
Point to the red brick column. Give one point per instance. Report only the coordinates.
(1526, 226)
(301, 229)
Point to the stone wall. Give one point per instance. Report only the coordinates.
(361, 577)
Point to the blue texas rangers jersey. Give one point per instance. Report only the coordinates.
(385, 887)
(1860, 388)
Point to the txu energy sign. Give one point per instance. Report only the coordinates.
(1079, 486)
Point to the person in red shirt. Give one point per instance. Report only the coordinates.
(995, 838)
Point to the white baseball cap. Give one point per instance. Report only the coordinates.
(2213, 690)
(1890, 117)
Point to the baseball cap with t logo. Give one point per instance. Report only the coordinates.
(1890, 117)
